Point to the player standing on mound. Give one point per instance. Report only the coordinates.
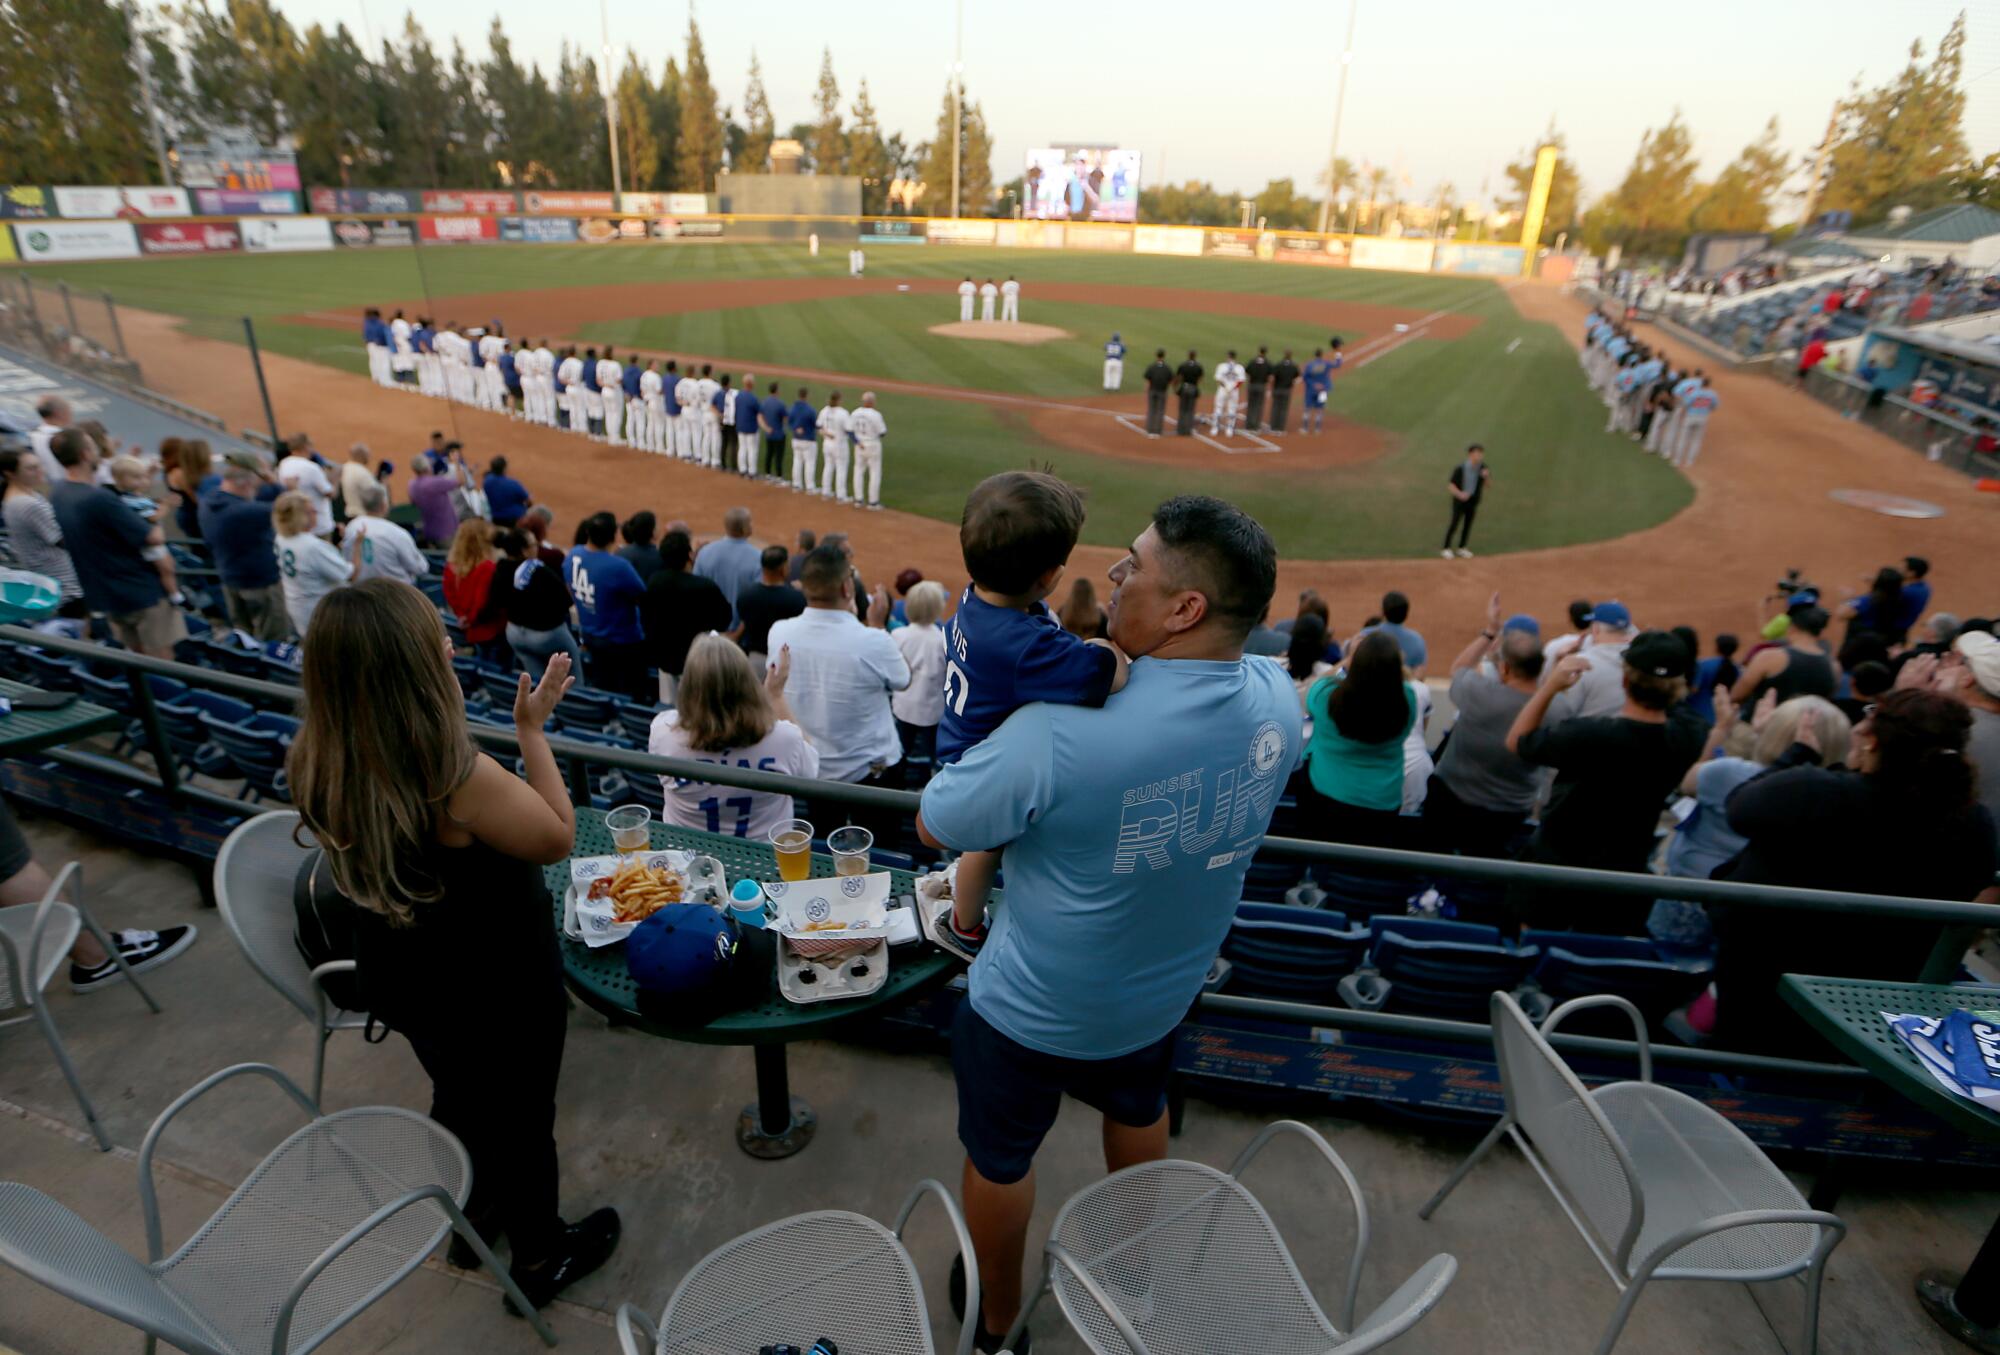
(966, 291)
(1114, 363)
(1229, 377)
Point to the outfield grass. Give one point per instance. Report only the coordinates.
(1558, 479)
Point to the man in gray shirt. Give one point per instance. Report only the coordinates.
(1601, 690)
(731, 563)
(1481, 794)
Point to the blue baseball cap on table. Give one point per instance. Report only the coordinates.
(683, 958)
(1610, 614)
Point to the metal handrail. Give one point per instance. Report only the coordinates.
(1951, 912)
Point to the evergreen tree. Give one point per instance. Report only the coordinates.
(828, 146)
(69, 105)
(1902, 144)
(698, 149)
(1649, 212)
(666, 126)
(521, 110)
(335, 111)
(758, 125)
(1740, 198)
(638, 147)
(868, 155)
(975, 193)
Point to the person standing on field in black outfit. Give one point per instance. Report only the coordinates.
(1159, 376)
(1257, 377)
(1467, 483)
(1189, 389)
(1283, 377)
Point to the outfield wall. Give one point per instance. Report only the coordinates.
(70, 224)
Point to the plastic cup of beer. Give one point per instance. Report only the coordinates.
(850, 850)
(791, 842)
(629, 826)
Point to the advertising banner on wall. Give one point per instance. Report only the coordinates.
(239, 201)
(595, 230)
(558, 203)
(1489, 260)
(386, 233)
(892, 230)
(6, 245)
(674, 228)
(485, 201)
(285, 235)
(76, 240)
(1104, 239)
(643, 204)
(633, 228)
(1307, 249)
(1223, 244)
(1404, 256)
(1183, 240)
(458, 230)
(85, 204)
(960, 231)
(538, 230)
(25, 202)
(688, 204)
(191, 237)
(372, 201)
(155, 201)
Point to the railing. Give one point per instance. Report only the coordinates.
(1959, 919)
(1941, 437)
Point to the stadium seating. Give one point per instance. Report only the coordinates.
(1576, 965)
(194, 747)
(1434, 967)
(255, 748)
(1297, 954)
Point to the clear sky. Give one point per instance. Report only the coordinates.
(1445, 91)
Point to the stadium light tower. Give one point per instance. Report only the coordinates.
(957, 95)
(610, 106)
(1339, 104)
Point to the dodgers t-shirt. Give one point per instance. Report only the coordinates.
(506, 497)
(1129, 830)
(607, 592)
(998, 660)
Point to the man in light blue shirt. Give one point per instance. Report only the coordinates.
(1127, 833)
(732, 562)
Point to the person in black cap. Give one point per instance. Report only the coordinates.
(1159, 376)
(1613, 774)
(1188, 378)
(1283, 376)
(1258, 379)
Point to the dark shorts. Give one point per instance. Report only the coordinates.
(1008, 1094)
(14, 853)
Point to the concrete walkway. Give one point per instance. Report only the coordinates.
(647, 1125)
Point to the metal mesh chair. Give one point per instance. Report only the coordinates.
(828, 1273)
(1177, 1258)
(254, 875)
(34, 942)
(333, 1219)
(1660, 1186)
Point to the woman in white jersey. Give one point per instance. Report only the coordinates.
(723, 716)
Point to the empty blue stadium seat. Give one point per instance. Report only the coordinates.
(500, 685)
(1297, 954)
(1433, 967)
(227, 658)
(50, 672)
(193, 746)
(469, 679)
(592, 708)
(636, 719)
(1575, 964)
(256, 748)
(1358, 892)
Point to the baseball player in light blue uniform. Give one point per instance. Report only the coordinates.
(1701, 403)
(1114, 363)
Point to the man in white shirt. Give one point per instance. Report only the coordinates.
(833, 426)
(841, 679)
(654, 419)
(379, 548)
(402, 354)
(1601, 690)
(545, 385)
(709, 426)
(303, 474)
(988, 294)
(687, 427)
(56, 415)
(493, 386)
(611, 382)
(569, 381)
(869, 428)
(1229, 378)
(1010, 300)
(966, 291)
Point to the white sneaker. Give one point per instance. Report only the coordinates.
(1446, 552)
(1464, 554)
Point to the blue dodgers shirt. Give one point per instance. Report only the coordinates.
(607, 591)
(506, 497)
(773, 414)
(1128, 832)
(805, 421)
(997, 660)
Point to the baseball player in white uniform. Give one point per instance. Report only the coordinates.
(687, 429)
(966, 291)
(430, 363)
(834, 423)
(1114, 363)
(1229, 379)
(491, 346)
(869, 428)
(710, 427)
(450, 363)
(1010, 300)
(988, 294)
(611, 382)
(545, 385)
(402, 356)
(569, 377)
(375, 338)
(805, 451)
(589, 396)
(743, 416)
(649, 423)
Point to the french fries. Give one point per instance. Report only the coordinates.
(637, 891)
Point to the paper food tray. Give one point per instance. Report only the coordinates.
(806, 979)
(591, 921)
(856, 905)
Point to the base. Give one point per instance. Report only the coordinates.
(1937, 1290)
(752, 1139)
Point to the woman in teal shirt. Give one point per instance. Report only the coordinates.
(1361, 715)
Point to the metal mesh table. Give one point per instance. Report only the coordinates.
(26, 731)
(1848, 1012)
(779, 1124)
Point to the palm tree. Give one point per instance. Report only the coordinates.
(1376, 178)
(1446, 191)
(1340, 178)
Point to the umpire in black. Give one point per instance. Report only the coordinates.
(1258, 376)
(1158, 377)
(1189, 389)
(1283, 376)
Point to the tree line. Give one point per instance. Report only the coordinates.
(420, 114)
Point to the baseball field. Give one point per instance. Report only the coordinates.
(1434, 363)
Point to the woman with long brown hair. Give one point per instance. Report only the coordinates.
(441, 850)
(724, 715)
(1361, 714)
(190, 470)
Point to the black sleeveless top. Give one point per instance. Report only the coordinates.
(486, 952)
(1804, 674)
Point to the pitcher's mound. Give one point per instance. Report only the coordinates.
(1000, 331)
